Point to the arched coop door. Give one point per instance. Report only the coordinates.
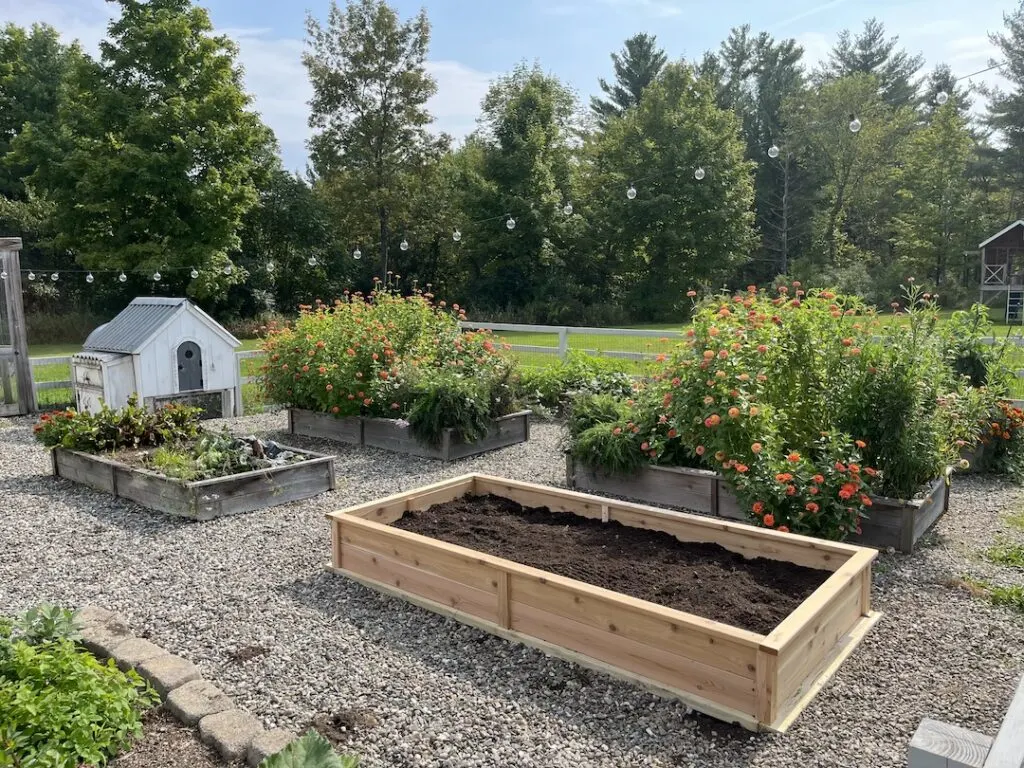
(16, 395)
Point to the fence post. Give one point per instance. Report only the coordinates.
(563, 342)
(239, 406)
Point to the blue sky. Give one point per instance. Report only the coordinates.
(473, 41)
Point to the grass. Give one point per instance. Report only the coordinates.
(1015, 520)
(1006, 554)
(1011, 597)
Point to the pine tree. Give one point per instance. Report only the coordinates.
(1006, 109)
(636, 67)
(870, 53)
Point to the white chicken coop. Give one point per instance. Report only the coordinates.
(164, 350)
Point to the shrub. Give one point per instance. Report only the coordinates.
(129, 427)
(552, 387)
(1002, 438)
(59, 705)
(382, 355)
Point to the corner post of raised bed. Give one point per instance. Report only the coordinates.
(446, 444)
(766, 675)
(504, 600)
(291, 421)
(53, 461)
(335, 540)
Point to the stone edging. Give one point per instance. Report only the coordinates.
(236, 735)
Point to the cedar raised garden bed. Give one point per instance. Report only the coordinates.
(200, 499)
(395, 434)
(731, 673)
(889, 522)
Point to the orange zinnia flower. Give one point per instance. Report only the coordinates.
(754, 410)
(617, 431)
(783, 529)
(758, 507)
(811, 507)
(734, 412)
(793, 458)
(769, 520)
(699, 449)
(756, 447)
(860, 443)
(708, 354)
(819, 479)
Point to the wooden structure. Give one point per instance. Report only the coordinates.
(16, 393)
(161, 349)
(758, 681)
(889, 522)
(1002, 270)
(941, 745)
(200, 499)
(396, 435)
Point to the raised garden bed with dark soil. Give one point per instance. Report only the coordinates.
(742, 623)
(296, 475)
(705, 579)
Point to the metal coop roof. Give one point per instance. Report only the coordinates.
(141, 320)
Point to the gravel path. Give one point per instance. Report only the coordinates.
(419, 690)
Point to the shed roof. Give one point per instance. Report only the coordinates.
(143, 319)
(1003, 231)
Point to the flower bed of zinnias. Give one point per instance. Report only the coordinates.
(804, 401)
(388, 355)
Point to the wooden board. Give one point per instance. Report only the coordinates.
(396, 435)
(889, 523)
(203, 499)
(728, 672)
(1008, 746)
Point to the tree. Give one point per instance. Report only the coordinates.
(156, 157)
(33, 64)
(870, 53)
(941, 80)
(1006, 109)
(368, 112)
(678, 231)
(636, 67)
(524, 161)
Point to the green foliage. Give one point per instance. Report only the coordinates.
(551, 387)
(59, 706)
(311, 750)
(588, 410)
(1006, 554)
(132, 426)
(1002, 441)
(164, 109)
(442, 399)
(1010, 597)
(609, 446)
(46, 623)
(636, 67)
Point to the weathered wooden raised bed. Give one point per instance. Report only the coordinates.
(890, 522)
(395, 434)
(200, 499)
(758, 681)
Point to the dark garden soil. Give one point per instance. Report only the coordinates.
(705, 579)
(166, 743)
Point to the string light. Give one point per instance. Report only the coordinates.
(122, 277)
(55, 277)
(699, 174)
(89, 278)
(194, 273)
(3, 275)
(357, 254)
(270, 266)
(156, 277)
(311, 260)
(511, 223)
(404, 245)
(456, 235)
(773, 151)
(941, 98)
(31, 275)
(631, 192)
(228, 269)
(567, 210)
(854, 124)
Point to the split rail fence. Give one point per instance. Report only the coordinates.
(534, 345)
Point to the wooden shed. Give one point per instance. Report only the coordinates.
(164, 350)
(1002, 270)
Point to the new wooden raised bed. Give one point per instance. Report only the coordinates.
(395, 434)
(890, 522)
(199, 499)
(758, 681)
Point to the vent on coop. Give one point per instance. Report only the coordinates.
(164, 350)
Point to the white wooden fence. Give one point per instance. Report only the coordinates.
(631, 345)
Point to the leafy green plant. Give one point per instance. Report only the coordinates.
(586, 411)
(1007, 554)
(553, 387)
(311, 750)
(445, 399)
(132, 426)
(59, 706)
(1009, 597)
(1002, 441)
(46, 623)
(173, 462)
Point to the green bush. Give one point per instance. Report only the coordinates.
(552, 387)
(309, 751)
(59, 706)
(129, 427)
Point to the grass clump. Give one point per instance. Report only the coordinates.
(1007, 554)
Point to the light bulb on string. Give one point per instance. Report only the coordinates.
(3, 274)
(31, 275)
(357, 254)
(311, 261)
(156, 277)
(270, 266)
(631, 192)
(89, 278)
(456, 235)
(854, 124)
(941, 98)
(228, 269)
(122, 277)
(699, 174)
(404, 245)
(567, 210)
(510, 224)
(194, 273)
(55, 277)
(773, 151)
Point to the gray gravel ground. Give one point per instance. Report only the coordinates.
(420, 690)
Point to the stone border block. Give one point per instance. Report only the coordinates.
(134, 651)
(268, 743)
(229, 732)
(193, 701)
(165, 673)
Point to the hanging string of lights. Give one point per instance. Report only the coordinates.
(699, 174)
